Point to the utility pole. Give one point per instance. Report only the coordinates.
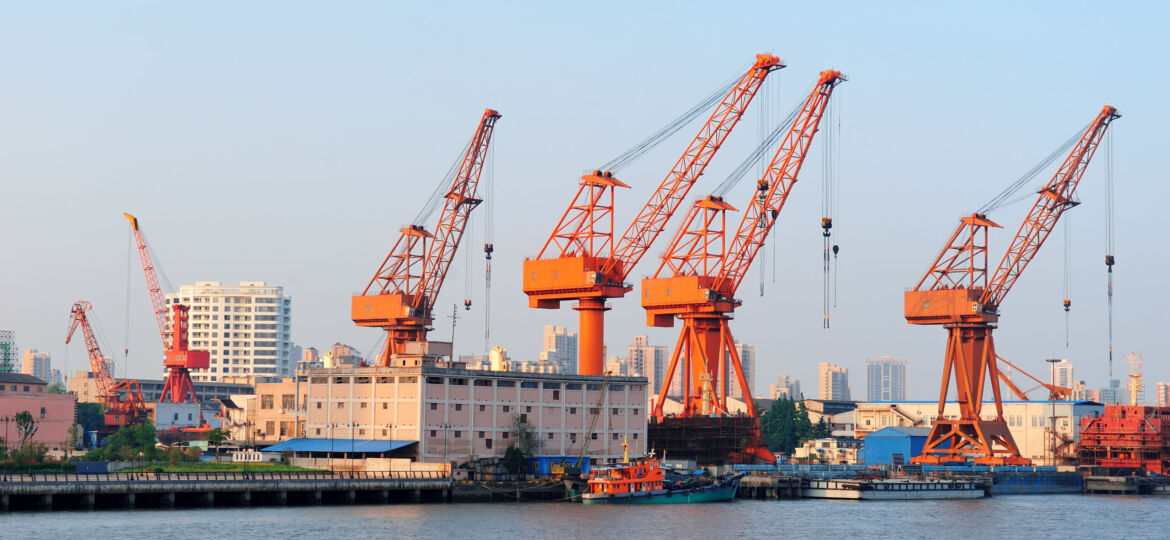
(1052, 399)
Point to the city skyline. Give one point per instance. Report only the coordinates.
(266, 157)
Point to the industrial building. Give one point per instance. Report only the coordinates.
(894, 445)
(456, 414)
(245, 327)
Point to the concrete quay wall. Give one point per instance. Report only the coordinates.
(68, 491)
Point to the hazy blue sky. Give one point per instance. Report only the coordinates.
(288, 141)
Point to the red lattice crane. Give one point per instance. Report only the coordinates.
(956, 293)
(700, 274)
(179, 360)
(122, 401)
(580, 260)
(401, 296)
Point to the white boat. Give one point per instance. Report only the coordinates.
(893, 490)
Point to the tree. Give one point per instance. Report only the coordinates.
(216, 437)
(525, 436)
(70, 443)
(128, 443)
(57, 388)
(514, 460)
(32, 452)
(822, 429)
(786, 425)
(89, 415)
(26, 426)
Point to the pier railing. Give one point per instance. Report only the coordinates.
(219, 476)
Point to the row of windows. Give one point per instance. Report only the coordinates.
(504, 383)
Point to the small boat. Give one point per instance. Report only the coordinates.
(893, 490)
(643, 481)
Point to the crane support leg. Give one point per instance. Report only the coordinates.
(971, 359)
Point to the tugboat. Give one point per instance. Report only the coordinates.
(643, 481)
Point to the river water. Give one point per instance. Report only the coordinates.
(1018, 516)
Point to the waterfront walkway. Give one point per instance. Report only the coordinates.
(53, 491)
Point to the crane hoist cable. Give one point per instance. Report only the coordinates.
(836, 111)
(428, 209)
(1109, 260)
(1067, 276)
(1004, 198)
(639, 149)
(489, 247)
(828, 191)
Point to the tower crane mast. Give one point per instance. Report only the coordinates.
(118, 411)
(699, 274)
(401, 296)
(179, 358)
(956, 292)
(580, 261)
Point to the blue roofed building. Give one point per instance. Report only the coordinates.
(895, 444)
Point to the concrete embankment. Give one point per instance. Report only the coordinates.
(166, 490)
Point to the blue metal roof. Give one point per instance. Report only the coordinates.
(338, 445)
(900, 431)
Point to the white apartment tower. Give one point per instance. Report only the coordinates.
(650, 361)
(245, 327)
(885, 379)
(834, 382)
(1062, 373)
(747, 360)
(560, 348)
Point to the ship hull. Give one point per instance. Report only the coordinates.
(724, 491)
(892, 491)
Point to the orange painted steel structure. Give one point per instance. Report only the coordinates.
(118, 411)
(584, 263)
(955, 293)
(401, 296)
(705, 273)
(179, 359)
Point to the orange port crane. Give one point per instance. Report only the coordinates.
(956, 293)
(580, 260)
(179, 359)
(401, 296)
(699, 274)
(119, 410)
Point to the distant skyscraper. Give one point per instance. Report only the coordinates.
(1163, 394)
(785, 387)
(650, 361)
(245, 327)
(885, 379)
(1061, 373)
(834, 382)
(1079, 391)
(37, 364)
(616, 366)
(747, 359)
(1112, 394)
(560, 348)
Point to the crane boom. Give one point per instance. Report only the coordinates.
(402, 294)
(776, 183)
(118, 411)
(1056, 197)
(585, 265)
(152, 284)
(663, 202)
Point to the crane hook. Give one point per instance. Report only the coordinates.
(826, 224)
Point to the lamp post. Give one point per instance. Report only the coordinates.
(1052, 399)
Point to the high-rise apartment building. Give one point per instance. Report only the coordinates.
(245, 327)
(1079, 391)
(560, 348)
(38, 364)
(834, 382)
(885, 379)
(650, 361)
(1163, 394)
(1112, 394)
(785, 387)
(747, 360)
(1061, 373)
